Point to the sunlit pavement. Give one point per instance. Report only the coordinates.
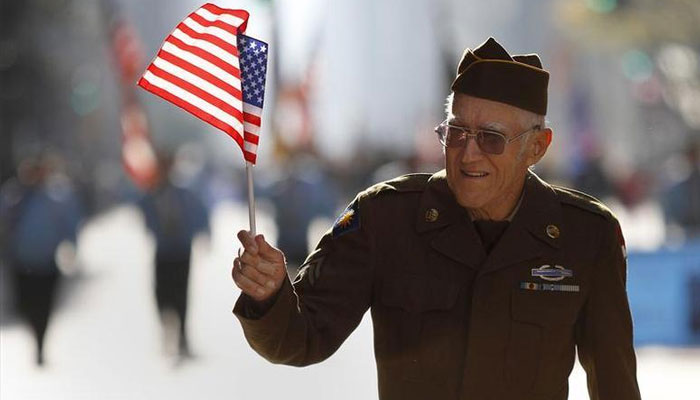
(105, 340)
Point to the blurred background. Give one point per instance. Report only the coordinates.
(104, 185)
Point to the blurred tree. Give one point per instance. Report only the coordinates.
(613, 23)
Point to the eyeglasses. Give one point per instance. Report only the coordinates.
(490, 142)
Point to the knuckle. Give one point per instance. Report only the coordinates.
(238, 283)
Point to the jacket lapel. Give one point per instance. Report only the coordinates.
(457, 238)
(534, 231)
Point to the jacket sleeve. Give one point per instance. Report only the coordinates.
(312, 317)
(604, 331)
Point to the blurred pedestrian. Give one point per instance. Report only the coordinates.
(483, 280)
(40, 212)
(175, 216)
(682, 200)
(301, 194)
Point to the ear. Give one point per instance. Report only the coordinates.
(538, 147)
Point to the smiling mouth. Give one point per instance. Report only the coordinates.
(474, 174)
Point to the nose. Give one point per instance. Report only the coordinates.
(471, 150)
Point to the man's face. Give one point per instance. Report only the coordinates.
(489, 185)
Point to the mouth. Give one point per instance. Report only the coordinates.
(474, 174)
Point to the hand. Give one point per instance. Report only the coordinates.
(260, 270)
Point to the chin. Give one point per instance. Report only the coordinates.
(468, 199)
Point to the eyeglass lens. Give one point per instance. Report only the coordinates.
(488, 142)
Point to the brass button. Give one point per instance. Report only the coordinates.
(431, 215)
(552, 231)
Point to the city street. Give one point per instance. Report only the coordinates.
(105, 341)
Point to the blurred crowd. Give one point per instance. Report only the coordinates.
(351, 107)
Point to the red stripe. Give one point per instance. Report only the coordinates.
(199, 113)
(202, 94)
(205, 55)
(250, 157)
(251, 118)
(230, 48)
(218, 23)
(242, 14)
(251, 137)
(214, 9)
(200, 73)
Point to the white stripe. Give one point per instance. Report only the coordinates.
(195, 101)
(232, 20)
(212, 30)
(251, 147)
(199, 82)
(209, 47)
(203, 64)
(251, 109)
(252, 128)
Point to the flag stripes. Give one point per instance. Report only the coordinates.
(199, 68)
(206, 51)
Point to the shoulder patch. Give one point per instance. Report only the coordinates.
(348, 221)
(583, 201)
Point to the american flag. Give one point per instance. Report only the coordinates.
(210, 69)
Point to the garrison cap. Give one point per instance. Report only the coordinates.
(489, 72)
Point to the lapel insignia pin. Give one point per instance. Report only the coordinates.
(552, 273)
(431, 215)
(552, 231)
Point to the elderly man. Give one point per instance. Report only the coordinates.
(482, 279)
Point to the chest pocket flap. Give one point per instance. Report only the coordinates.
(419, 293)
(545, 308)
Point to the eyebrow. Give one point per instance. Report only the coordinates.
(491, 126)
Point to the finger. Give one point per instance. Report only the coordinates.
(236, 263)
(247, 241)
(258, 277)
(264, 267)
(238, 266)
(249, 286)
(271, 269)
(266, 250)
(249, 258)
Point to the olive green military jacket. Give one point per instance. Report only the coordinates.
(451, 322)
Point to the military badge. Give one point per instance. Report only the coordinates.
(548, 287)
(348, 221)
(552, 273)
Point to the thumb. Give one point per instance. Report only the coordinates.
(266, 250)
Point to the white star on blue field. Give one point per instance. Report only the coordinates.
(253, 63)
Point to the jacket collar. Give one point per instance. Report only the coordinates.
(527, 236)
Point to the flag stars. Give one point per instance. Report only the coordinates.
(253, 64)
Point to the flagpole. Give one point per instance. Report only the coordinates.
(251, 197)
